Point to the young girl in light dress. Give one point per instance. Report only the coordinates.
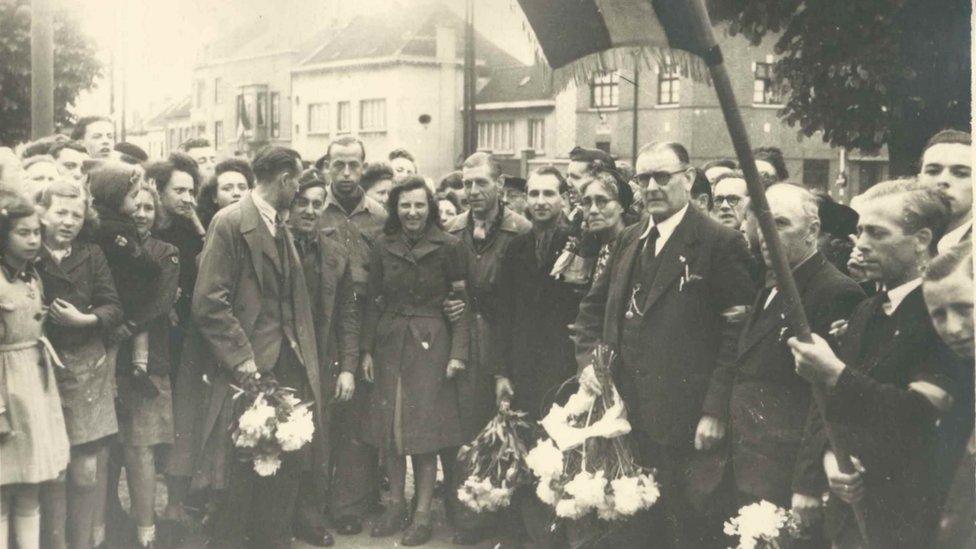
(33, 440)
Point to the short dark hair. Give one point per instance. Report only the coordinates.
(410, 183)
(73, 145)
(943, 265)
(401, 153)
(346, 140)
(554, 172)
(452, 178)
(956, 137)
(374, 173)
(133, 150)
(720, 163)
(594, 158)
(238, 165)
(194, 143)
(923, 207)
(81, 126)
(701, 186)
(678, 149)
(37, 148)
(272, 160)
(774, 156)
(311, 178)
(161, 172)
(13, 207)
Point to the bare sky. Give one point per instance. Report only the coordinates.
(156, 42)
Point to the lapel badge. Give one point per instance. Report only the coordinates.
(425, 345)
(629, 315)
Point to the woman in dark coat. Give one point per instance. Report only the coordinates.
(411, 351)
(83, 308)
(113, 188)
(146, 417)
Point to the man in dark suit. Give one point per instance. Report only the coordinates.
(891, 382)
(534, 351)
(670, 301)
(252, 308)
(767, 402)
(336, 317)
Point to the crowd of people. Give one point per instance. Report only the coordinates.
(137, 293)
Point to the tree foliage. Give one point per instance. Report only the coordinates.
(75, 68)
(866, 73)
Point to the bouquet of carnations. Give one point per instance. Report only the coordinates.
(587, 462)
(495, 462)
(275, 422)
(762, 525)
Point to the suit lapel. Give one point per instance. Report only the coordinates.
(906, 319)
(621, 276)
(254, 236)
(764, 320)
(678, 252)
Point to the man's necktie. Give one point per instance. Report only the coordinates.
(650, 243)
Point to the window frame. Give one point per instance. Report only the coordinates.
(312, 128)
(343, 107)
(668, 76)
(363, 104)
(764, 84)
(606, 87)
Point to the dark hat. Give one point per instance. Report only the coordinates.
(836, 218)
(514, 183)
(133, 150)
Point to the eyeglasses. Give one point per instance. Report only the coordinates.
(732, 199)
(600, 202)
(661, 178)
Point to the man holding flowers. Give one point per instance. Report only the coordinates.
(670, 302)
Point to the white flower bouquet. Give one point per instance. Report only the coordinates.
(275, 422)
(587, 465)
(495, 462)
(762, 525)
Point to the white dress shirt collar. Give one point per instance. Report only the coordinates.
(898, 294)
(268, 213)
(665, 228)
(59, 255)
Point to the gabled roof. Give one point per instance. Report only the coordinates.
(176, 110)
(287, 28)
(411, 31)
(515, 83)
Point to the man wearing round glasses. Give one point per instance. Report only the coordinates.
(670, 302)
(731, 199)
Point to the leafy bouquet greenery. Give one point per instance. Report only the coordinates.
(495, 462)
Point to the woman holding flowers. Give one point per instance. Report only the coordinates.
(83, 307)
(410, 351)
(33, 441)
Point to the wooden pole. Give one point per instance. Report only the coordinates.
(633, 136)
(42, 69)
(760, 207)
(470, 83)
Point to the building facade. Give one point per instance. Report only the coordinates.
(671, 107)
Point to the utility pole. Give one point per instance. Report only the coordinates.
(633, 137)
(470, 141)
(42, 69)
